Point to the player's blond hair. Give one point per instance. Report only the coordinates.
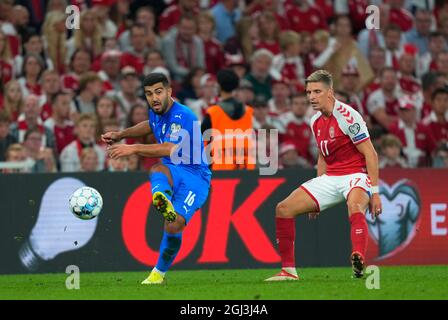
(320, 76)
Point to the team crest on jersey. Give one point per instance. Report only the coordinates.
(175, 128)
(331, 132)
(354, 128)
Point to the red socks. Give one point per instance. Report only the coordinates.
(285, 229)
(359, 233)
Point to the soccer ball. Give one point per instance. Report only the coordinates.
(86, 203)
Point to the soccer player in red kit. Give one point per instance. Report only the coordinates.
(347, 169)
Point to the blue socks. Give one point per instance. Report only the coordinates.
(159, 182)
(169, 247)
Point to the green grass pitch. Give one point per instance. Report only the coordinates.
(403, 282)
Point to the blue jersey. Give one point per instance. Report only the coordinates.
(181, 126)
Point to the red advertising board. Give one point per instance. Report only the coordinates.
(413, 228)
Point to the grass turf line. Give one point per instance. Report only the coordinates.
(398, 282)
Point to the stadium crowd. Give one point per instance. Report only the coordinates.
(62, 88)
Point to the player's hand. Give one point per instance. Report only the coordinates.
(313, 215)
(121, 150)
(375, 205)
(111, 137)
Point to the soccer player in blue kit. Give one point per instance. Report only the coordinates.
(180, 184)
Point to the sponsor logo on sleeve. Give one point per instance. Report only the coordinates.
(359, 137)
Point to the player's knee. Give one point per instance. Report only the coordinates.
(355, 207)
(282, 211)
(174, 227)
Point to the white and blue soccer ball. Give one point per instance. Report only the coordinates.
(86, 203)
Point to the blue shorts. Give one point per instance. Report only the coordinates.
(190, 191)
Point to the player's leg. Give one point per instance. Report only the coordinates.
(357, 204)
(162, 190)
(298, 202)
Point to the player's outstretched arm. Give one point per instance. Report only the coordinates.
(145, 150)
(139, 130)
(368, 150)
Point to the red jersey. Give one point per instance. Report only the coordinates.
(214, 56)
(438, 129)
(336, 138)
(70, 81)
(409, 84)
(402, 18)
(309, 20)
(6, 71)
(137, 62)
(298, 132)
(63, 135)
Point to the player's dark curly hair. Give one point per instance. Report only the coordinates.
(156, 77)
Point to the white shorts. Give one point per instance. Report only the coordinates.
(328, 191)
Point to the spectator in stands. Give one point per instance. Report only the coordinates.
(51, 85)
(107, 27)
(21, 18)
(154, 59)
(43, 157)
(89, 160)
(87, 37)
(32, 69)
(288, 65)
(118, 14)
(127, 96)
(183, 49)
(60, 124)
(6, 59)
(85, 129)
(304, 17)
(105, 110)
(190, 87)
(261, 117)
(30, 119)
(15, 153)
(345, 49)
(110, 69)
(80, 63)
(408, 82)
(173, 13)
(213, 50)
(280, 103)
(90, 89)
(145, 16)
(259, 75)
(289, 158)
(298, 130)
(135, 56)
(245, 92)
(430, 82)
(437, 120)
(54, 32)
(349, 85)
(6, 139)
(269, 32)
(399, 15)
(13, 99)
(134, 163)
(382, 104)
(415, 137)
(242, 43)
(118, 165)
(393, 45)
(441, 156)
(390, 155)
(32, 43)
(427, 61)
(377, 60)
(208, 95)
(419, 35)
(227, 14)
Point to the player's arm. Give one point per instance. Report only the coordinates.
(145, 150)
(321, 165)
(367, 149)
(139, 130)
